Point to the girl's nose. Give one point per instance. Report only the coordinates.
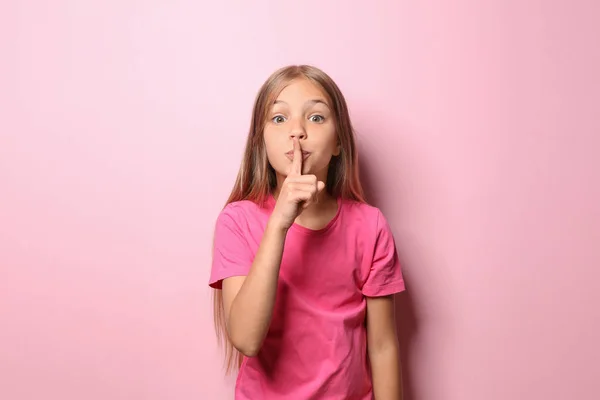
(297, 131)
(299, 135)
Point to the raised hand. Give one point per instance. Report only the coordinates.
(297, 192)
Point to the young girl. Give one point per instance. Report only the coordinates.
(304, 270)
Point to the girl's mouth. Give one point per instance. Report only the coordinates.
(290, 154)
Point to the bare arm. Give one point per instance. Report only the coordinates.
(383, 348)
(249, 301)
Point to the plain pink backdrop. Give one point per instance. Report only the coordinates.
(122, 125)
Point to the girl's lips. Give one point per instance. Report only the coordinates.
(290, 154)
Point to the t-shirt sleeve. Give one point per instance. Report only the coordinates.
(385, 276)
(231, 254)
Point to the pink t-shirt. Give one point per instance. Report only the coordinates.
(316, 347)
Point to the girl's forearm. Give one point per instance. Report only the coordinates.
(387, 374)
(252, 309)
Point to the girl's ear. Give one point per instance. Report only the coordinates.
(337, 150)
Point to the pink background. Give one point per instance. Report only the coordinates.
(121, 130)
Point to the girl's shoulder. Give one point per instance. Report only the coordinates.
(242, 212)
(240, 205)
(366, 216)
(361, 209)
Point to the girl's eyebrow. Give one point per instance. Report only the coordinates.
(308, 103)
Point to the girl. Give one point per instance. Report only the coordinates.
(304, 270)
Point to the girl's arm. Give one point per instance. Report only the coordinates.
(248, 300)
(383, 348)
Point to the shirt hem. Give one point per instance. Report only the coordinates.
(391, 288)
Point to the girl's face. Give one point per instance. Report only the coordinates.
(301, 111)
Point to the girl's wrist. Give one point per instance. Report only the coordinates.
(276, 226)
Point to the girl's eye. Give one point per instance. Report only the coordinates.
(278, 119)
(317, 118)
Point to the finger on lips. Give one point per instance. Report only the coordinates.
(297, 161)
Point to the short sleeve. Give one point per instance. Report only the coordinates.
(231, 254)
(385, 276)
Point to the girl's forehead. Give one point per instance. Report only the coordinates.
(300, 90)
(300, 86)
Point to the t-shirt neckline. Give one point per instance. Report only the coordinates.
(309, 231)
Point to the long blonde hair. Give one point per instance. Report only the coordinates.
(256, 178)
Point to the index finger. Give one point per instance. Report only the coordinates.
(297, 160)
